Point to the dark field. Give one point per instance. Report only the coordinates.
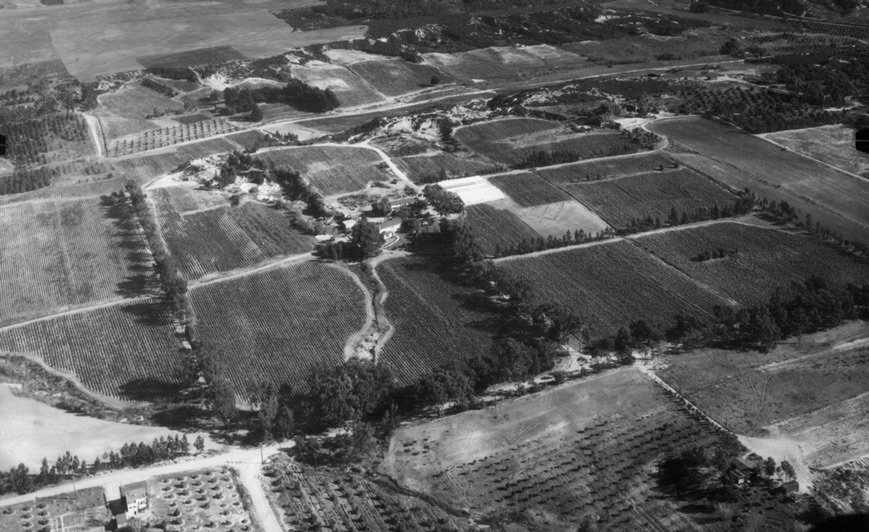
(528, 190)
(201, 56)
(498, 227)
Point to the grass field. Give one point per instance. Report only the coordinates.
(613, 284)
(495, 227)
(432, 323)
(831, 144)
(550, 459)
(427, 168)
(764, 162)
(302, 317)
(511, 141)
(528, 190)
(393, 77)
(810, 390)
(127, 350)
(136, 102)
(621, 200)
(606, 168)
(347, 86)
(306, 497)
(766, 259)
(62, 254)
(503, 63)
(332, 169)
(200, 56)
(556, 218)
(225, 238)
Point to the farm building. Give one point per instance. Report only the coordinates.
(397, 203)
(136, 497)
(389, 226)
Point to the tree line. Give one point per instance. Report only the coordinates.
(643, 140)
(295, 93)
(740, 206)
(20, 480)
(172, 283)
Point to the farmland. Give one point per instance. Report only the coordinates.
(332, 169)
(434, 322)
(62, 254)
(556, 218)
(609, 167)
(766, 163)
(153, 139)
(395, 77)
(528, 190)
(765, 259)
(199, 499)
(144, 168)
(225, 238)
(68, 509)
(201, 56)
(624, 199)
(585, 448)
(347, 86)
(497, 228)
(289, 330)
(134, 101)
(317, 498)
(126, 350)
(831, 144)
(511, 141)
(503, 63)
(810, 389)
(612, 284)
(428, 168)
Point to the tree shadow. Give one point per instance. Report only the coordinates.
(148, 313)
(150, 389)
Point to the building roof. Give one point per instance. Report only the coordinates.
(135, 489)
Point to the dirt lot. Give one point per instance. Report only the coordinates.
(830, 144)
(32, 430)
(810, 390)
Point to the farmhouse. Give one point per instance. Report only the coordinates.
(397, 203)
(136, 497)
(389, 227)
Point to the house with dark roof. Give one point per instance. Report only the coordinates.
(136, 497)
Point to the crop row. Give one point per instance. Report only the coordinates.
(167, 136)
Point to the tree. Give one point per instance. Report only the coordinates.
(769, 466)
(788, 469)
(266, 398)
(435, 80)
(367, 238)
(285, 422)
(222, 399)
(199, 443)
(256, 114)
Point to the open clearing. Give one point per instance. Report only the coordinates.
(831, 144)
(503, 62)
(556, 218)
(332, 169)
(766, 258)
(126, 350)
(764, 162)
(33, 430)
(427, 168)
(394, 77)
(57, 255)
(110, 41)
(137, 102)
(473, 190)
(280, 324)
(613, 284)
(623, 200)
(225, 238)
(434, 323)
(811, 390)
(552, 458)
(347, 86)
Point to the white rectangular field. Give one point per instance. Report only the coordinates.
(473, 190)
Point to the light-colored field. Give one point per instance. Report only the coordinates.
(394, 77)
(109, 41)
(556, 218)
(137, 102)
(810, 390)
(765, 162)
(348, 87)
(33, 430)
(62, 254)
(503, 62)
(556, 456)
(831, 144)
(474, 190)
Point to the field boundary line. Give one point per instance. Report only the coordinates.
(763, 136)
(220, 277)
(78, 310)
(691, 406)
(542, 252)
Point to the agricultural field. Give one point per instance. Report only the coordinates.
(153, 139)
(845, 486)
(332, 169)
(557, 218)
(428, 168)
(222, 239)
(528, 190)
(127, 350)
(434, 320)
(831, 144)
(810, 390)
(622, 200)
(303, 316)
(511, 141)
(136, 102)
(394, 77)
(83, 507)
(350, 89)
(649, 48)
(497, 228)
(474, 190)
(765, 162)
(26, 441)
(144, 168)
(62, 254)
(188, 58)
(588, 448)
(305, 497)
(505, 63)
(203, 499)
(611, 284)
(765, 259)
(609, 167)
